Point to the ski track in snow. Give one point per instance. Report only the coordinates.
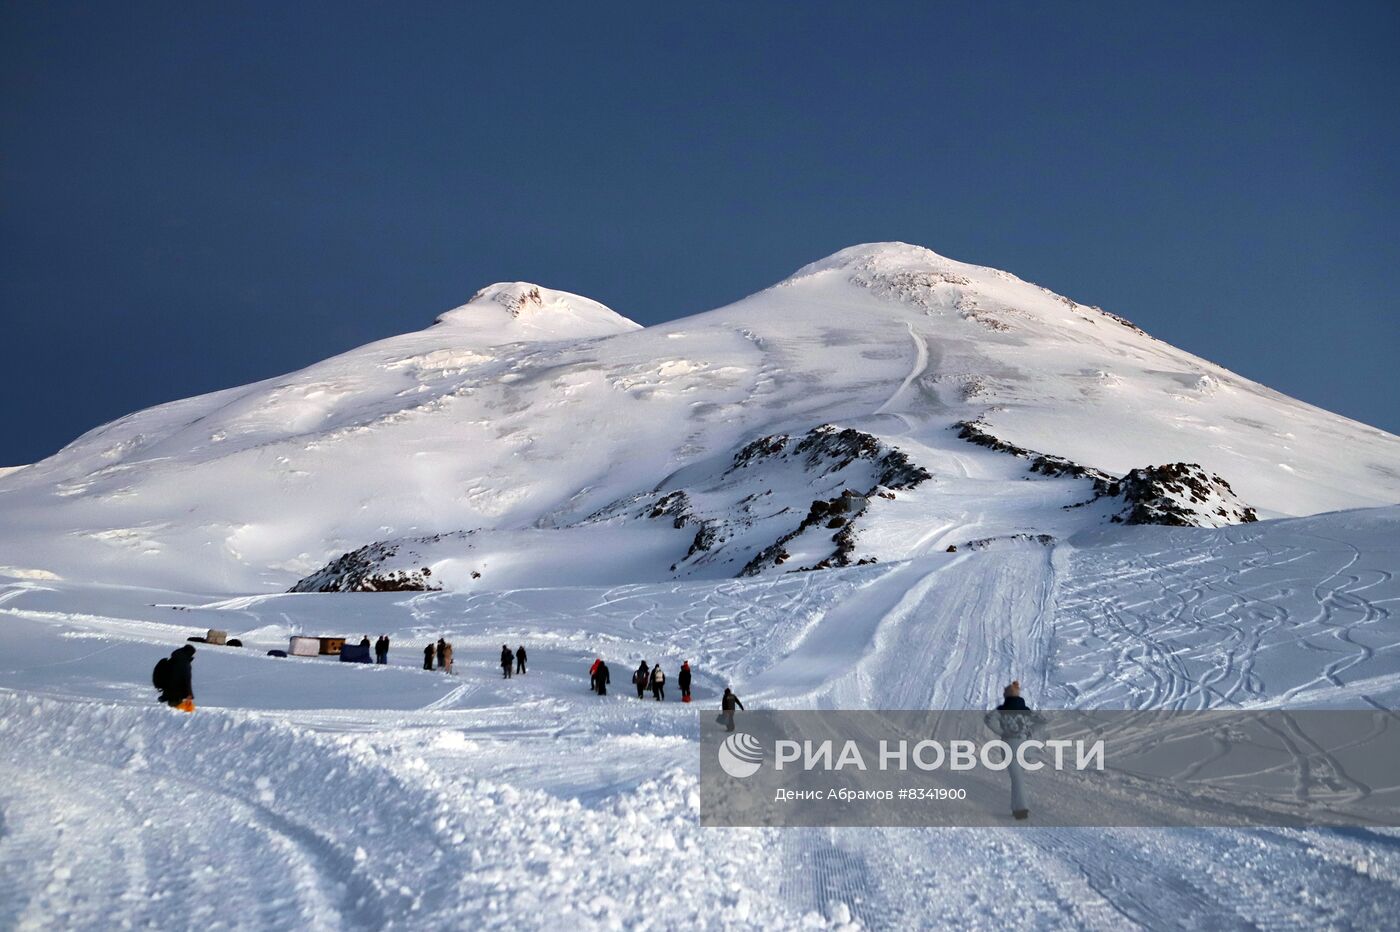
(530, 802)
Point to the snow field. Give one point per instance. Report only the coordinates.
(307, 793)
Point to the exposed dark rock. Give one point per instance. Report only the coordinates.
(675, 504)
(1043, 464)
(760, 449)
(358, 571)
(827, 511)
(704, 539)
(984, 542)
(837, 448)
(1180, 495)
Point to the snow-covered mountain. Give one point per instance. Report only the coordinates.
(532, 434)
(892, 481)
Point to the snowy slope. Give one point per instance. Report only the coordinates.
(528, 410)
(589, 488)
(311, 794)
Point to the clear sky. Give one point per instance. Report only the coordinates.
(199, 195)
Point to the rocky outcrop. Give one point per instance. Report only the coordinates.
(364, 570)
(1176, 495)
(837, 514)
(1043, 464)
(774, 490)
(1180, 495)
(828, 449)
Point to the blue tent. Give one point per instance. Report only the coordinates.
(355, 653)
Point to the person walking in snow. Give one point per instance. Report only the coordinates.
(642, 677)
(175, 680)
(593, 674)
(447, 658)
(428, 657)
(727, 704)
(507, 661)
(442, 652)
(683, 680)
(601, 678)
(658, 683)
(520, 659)
(1015, 723)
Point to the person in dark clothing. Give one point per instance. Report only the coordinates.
(683, 680)
(601, 678)
(642, 677)
(428, 657)
(520, 659)
(1015, 723)
(728, 703)
(381, 649)
(1011, 700)
(507, 661)
(658, 683)
(442, 652)
(175, 679)
(364, 641)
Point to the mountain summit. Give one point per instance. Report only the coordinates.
(538, 433)
(508, 311)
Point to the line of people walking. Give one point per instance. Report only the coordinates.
(654, 678)
(645, 677)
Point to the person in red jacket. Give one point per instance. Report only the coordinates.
(683, 680)
(593, 674)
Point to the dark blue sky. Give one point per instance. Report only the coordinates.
(194, 196)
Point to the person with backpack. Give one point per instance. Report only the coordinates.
(601, 678)
(683, 680)
(658, 683)
(520, 659)
(1015, 723)
(507, 661)
(175, 680)
(428, 657)
(593, 674)
(642, 677)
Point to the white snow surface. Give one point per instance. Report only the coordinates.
(530, 408)
(529, 431)
(305, 793)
